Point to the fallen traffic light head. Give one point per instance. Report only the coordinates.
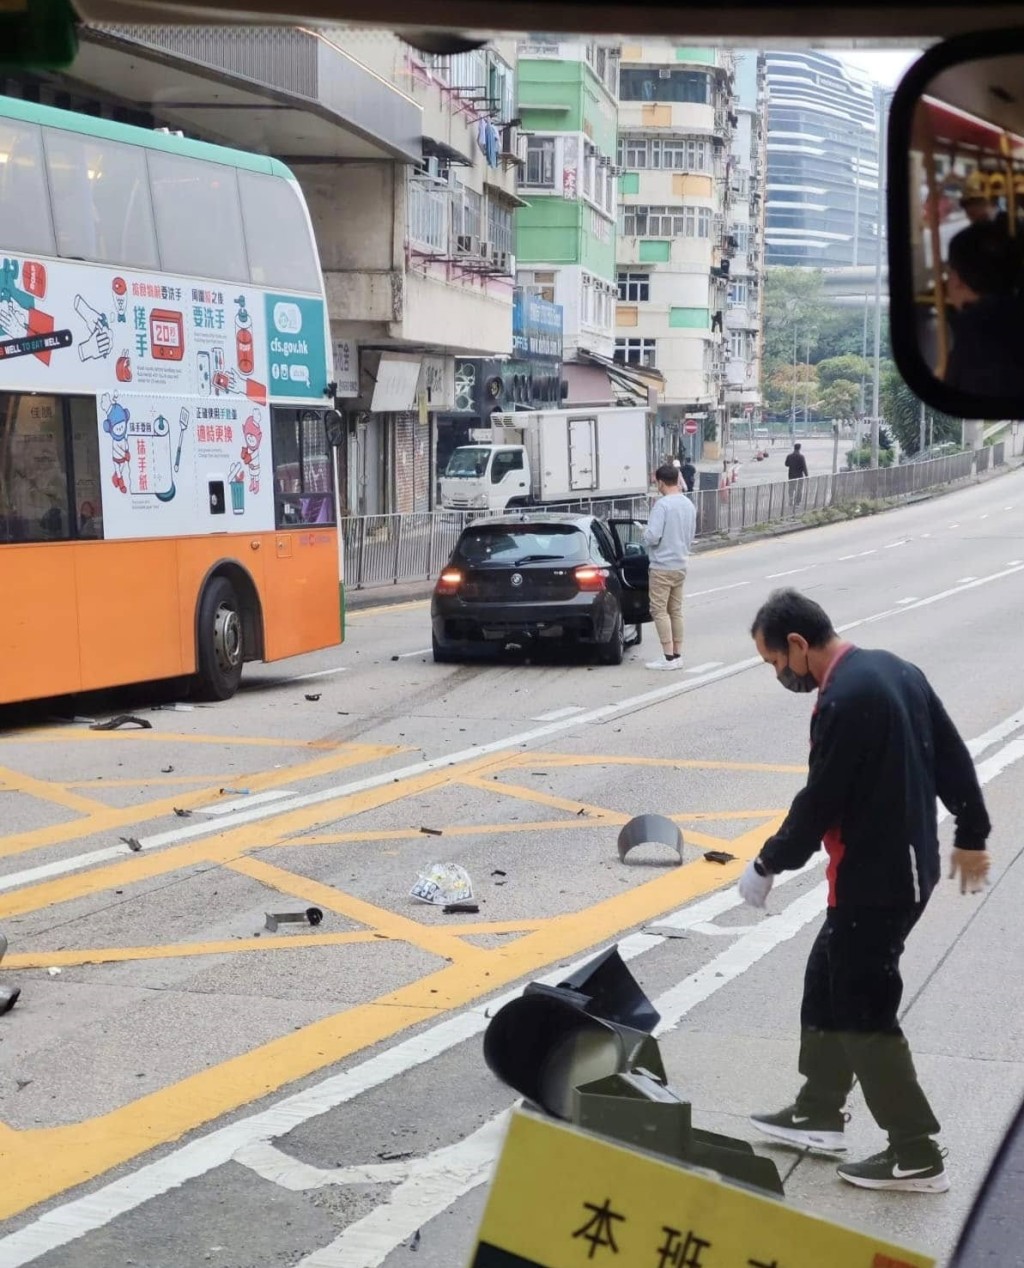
(583, 1051)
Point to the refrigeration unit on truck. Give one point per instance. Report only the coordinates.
(551, 457)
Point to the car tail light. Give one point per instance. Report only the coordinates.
(588, 578)
(448, 582)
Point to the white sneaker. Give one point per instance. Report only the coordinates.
(662, 663)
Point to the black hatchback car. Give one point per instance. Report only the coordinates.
(528, 580)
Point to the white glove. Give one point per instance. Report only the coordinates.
(753, 887)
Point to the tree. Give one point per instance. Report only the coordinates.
(794, 306)
(788, 381)
(848, 366)
(840, 399)
(902, 412)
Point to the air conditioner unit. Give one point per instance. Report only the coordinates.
(466, 244)
(507, 262)
(485, 248)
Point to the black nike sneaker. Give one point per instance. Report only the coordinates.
(913, 1168)
(806, 1128)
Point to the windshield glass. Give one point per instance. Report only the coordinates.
(503, 544)
(468, 462)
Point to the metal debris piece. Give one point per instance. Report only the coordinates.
(182, 814)
(235, 792)
(650, 830)
(313, 697)
(133, 844)
(122, 719)
(166, 770)
(311, 916)
(461, 909)
(719, 856)
(432, 832)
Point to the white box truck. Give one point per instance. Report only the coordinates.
(550, 457)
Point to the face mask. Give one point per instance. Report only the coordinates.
(793, 681)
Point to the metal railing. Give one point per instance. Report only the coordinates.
(389, 549)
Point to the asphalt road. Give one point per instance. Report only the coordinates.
(181, 1086)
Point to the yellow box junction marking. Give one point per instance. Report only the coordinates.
(563, 1198)
(42, 1163)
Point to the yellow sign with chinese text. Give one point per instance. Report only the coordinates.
(563, 1198)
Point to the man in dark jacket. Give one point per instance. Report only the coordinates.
(796, 469)
(882, 749)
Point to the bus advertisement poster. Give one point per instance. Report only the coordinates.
(83, 328)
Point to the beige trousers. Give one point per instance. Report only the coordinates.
(666, 592)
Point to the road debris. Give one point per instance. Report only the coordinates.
(313, 696)
(182, 814)
(461, 909)
(166, 770)
(719, 856)
(650, 830)
(235, 792)
(442, 885)
(133, 844)
(432, 832)
(664, 931)
(311, 916)
(8, 994)
(122, 719)
(54, 972)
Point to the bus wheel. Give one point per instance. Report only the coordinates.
(221, 645)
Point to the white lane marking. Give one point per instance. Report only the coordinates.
(289, 1173)
(1014, 563)
(422, 652)
(954, 525)
(926, 534)
(790, 572)
(960, 581)
(701, 669)
(859, 555)
(892, 545)
(435, 1183)
(244, 803)
(736, 585)
(910, 599)
(1001, 731)
(556, 714)
(598, 714)
(983, 517)
(66, 1223)
(318, 673)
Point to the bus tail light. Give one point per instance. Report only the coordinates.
(448, 582)
(590, 579)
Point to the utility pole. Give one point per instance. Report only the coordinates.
(882, 99)
(921, 430)
(792, 408)
(807, 380)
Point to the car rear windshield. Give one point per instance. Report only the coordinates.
(507, 545)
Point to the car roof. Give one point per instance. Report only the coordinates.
(528, 519)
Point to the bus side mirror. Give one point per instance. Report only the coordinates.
(955, 165)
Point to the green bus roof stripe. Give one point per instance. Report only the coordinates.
(128, 134)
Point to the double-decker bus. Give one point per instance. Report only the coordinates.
(167, 500)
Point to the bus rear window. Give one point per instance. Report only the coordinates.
(198, 217)
(303, 480)
(24, 205)
(278, 236)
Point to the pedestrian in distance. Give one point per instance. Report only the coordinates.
(796, 469)
(883, 748)
(669, 540)
(689, 474)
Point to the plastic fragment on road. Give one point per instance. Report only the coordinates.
(442, 885)
(719, 856)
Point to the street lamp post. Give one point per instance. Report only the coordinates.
(882, 99)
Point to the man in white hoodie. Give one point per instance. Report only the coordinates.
(669, 540)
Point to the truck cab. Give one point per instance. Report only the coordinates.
(486, 478)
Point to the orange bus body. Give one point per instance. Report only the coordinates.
(78, 616)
